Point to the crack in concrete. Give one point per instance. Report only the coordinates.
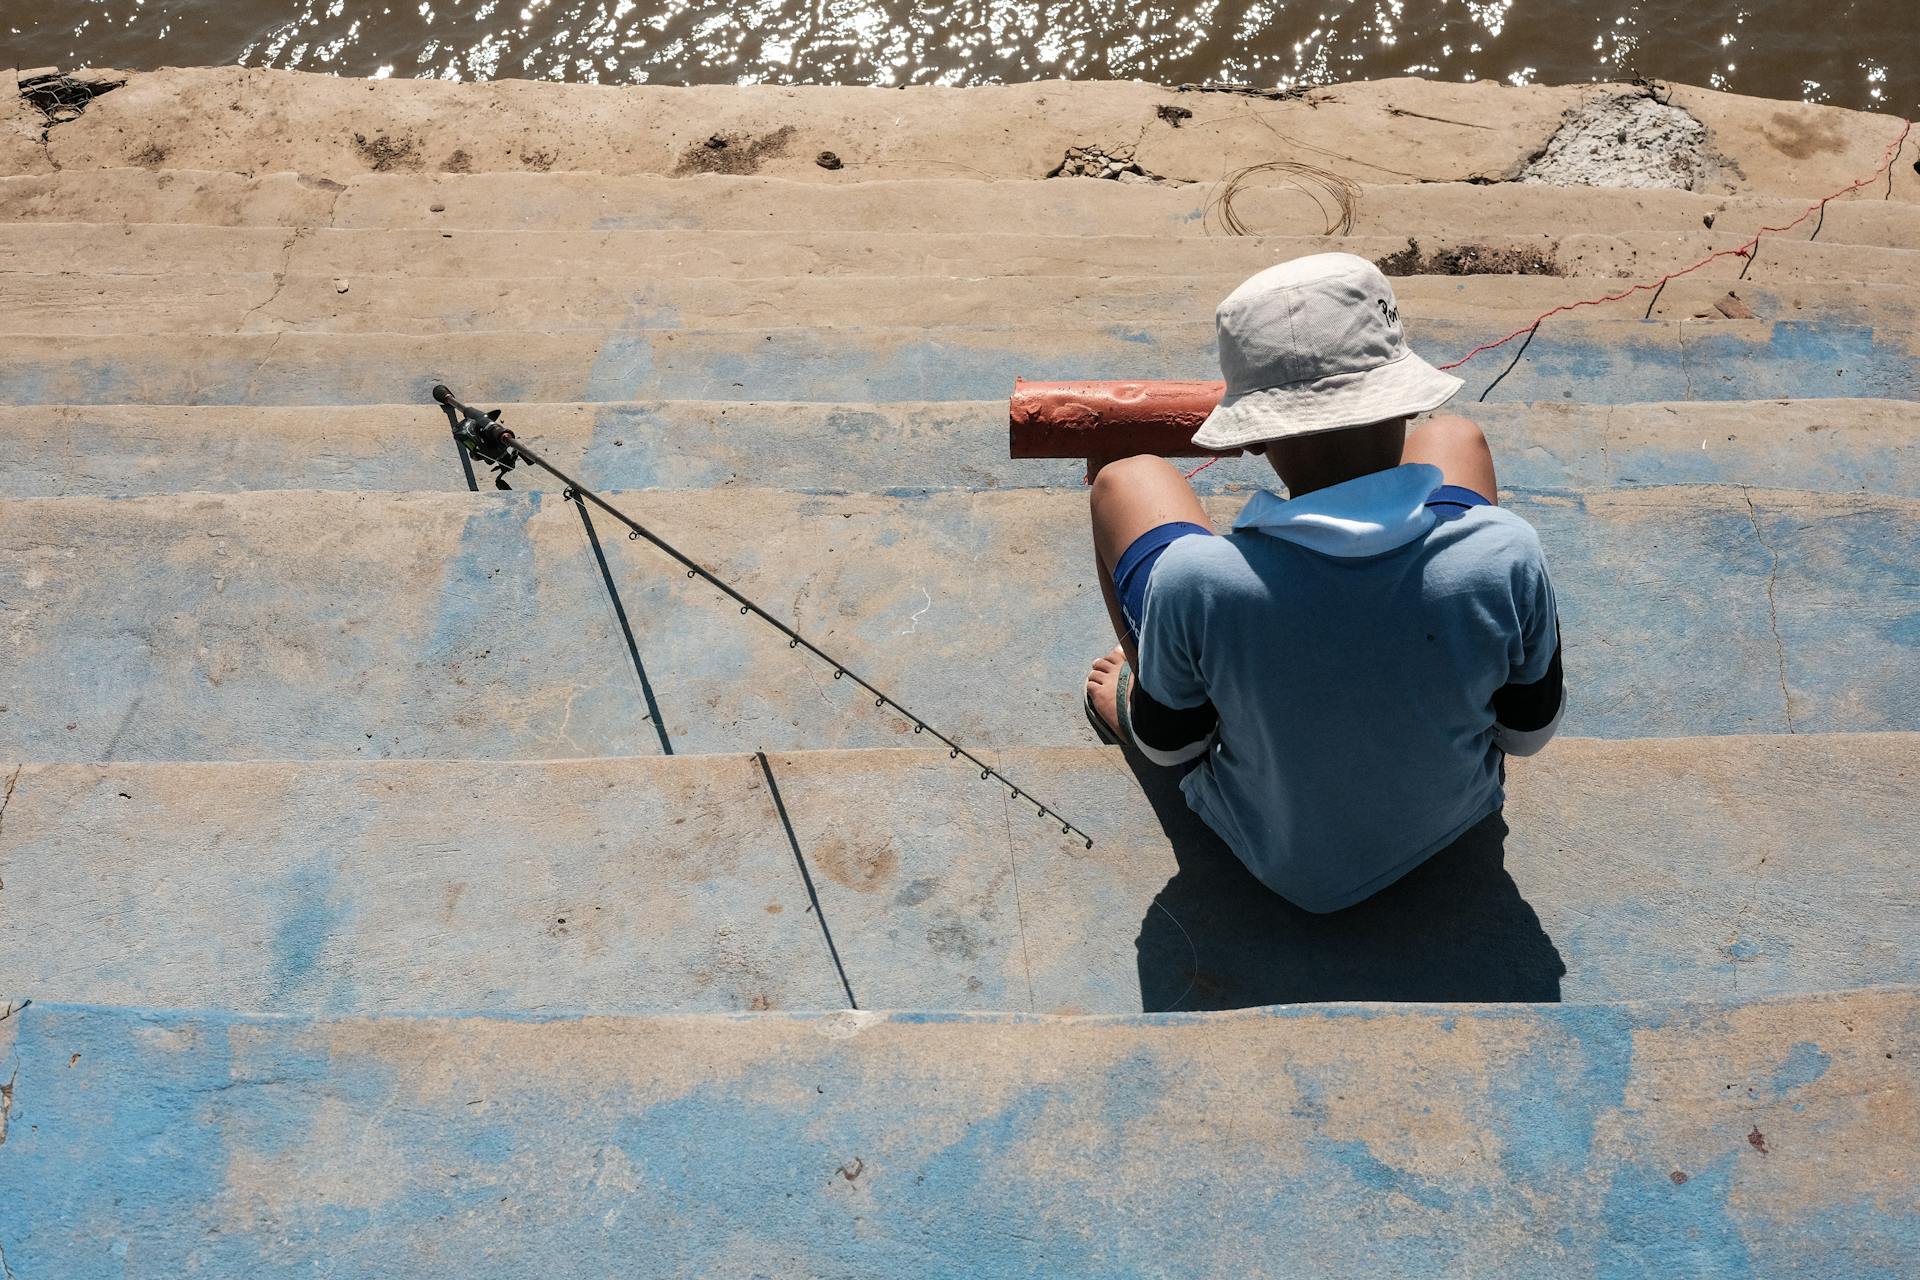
(1686, 369)
(1019, 911)
(1606, 451)
(6, 1101)
(13, 780)
(254, 377)
(1773, 611)
(279, 280)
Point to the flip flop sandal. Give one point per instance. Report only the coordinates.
(1123, 711)
(1123, 699)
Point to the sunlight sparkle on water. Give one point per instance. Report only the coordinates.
(1792, 48)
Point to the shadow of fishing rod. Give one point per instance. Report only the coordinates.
(490, 442)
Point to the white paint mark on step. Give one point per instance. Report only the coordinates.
(913, 623)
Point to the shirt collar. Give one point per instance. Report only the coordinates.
(1363, 516)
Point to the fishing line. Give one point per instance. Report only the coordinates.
(489, 442)
(1194, 951)
(1747, 249)
(1510, 365)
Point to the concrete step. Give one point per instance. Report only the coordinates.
(1649, 869)
(1266, 204)
(334, 626)
(1760, 1139)
(1592, 361)
(636, 258)
(1831, 446)
(1383, 131)
(133, 304)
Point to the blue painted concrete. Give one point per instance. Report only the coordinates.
(1829, 446)
(1621, 871)
(654, 885)
(1598, 362)
(1537, 1142)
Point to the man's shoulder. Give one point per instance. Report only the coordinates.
(1197, 567)
(1489, 553)
(1490, 532)
(1198, 558)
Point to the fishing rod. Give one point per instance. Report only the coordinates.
(490, 442)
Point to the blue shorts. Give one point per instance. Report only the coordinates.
(1448, 502)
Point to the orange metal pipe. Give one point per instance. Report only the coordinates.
(1108, 419)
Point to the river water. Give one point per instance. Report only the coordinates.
(1838, 51)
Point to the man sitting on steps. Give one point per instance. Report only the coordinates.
(1350, 665)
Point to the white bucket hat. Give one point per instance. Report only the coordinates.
(1315, 345)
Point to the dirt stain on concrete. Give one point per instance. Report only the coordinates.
(864, 867)
(1471, 260)
(384, 154)
(1800, 139)
(957, 939)
(736, 154)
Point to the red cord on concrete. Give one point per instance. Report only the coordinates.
(1745, 250)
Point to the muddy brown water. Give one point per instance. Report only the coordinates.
(1839, 51)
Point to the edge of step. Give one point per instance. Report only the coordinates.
(1829, 445)
(951, 296)
(89, 250)
(1604, 361)
(576, 202)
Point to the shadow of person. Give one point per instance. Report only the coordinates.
(1455, 929)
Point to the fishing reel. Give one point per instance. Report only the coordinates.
(481, 435)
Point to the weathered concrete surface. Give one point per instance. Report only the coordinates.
(661, 885)
(252, 121)
(1266, 204)
(314, 625)
(1826, 446)
(21, 126)
(1770, 1139)
(1596, 362)
(1573, 902)
(1704, 867)
(1798, 146)
(1065, 292)
(256, 121)
(326, 653)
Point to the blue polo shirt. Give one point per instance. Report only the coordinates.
(1351, 641)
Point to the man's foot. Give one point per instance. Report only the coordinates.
(1103, 686)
